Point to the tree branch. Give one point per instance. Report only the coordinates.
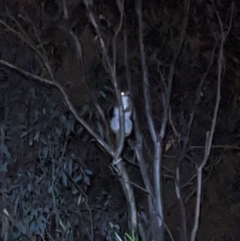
(209, 135)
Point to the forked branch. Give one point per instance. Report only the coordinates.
(210, 134)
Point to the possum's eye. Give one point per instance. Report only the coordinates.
(124, 93)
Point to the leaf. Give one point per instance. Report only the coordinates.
(24, 133)
(89, 172)
(16, 233)
(78, 178)
(118, 237)
(168, 145)
(3, 168)
(103, 94)
(70, 126)
(70, 167)
(33, 227)
(80, 129)
(39, 179)
(42, 224)
(32, 92)
(106, 203)
(24, 229)
(45, 151)
(85, 109)
(50, 189)
(58, 131)
(63, 119)
(64, 178)
(87, 180)
(29, 187)
(55, 113)
(97, 217)
(43, 140)
(4, 150)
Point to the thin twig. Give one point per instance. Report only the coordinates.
(178, 178)
(209, 135)
(216, 147)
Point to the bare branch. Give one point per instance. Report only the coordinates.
(199, 90)
(66, 98)
(227, 147)
(41, 56)
(65, 10)
(112, 72)
(148, 112)
(142, 164)
(168, 91)
(209, 135)
(146, 91)
(126, 64)
(121, 137)
(178, 178)
(158, 138)
(121, 9)
(117, 160)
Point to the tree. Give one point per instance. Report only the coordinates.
(57, 36)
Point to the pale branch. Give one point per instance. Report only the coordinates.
(117, 160)
(22, 35)
(157, 138)
(210, 134)
(112, 72)
(126, 183)
(65, 9)
(227, 147)
(172, 125)
(126, 63)
(168, 90)
(121, 137)
(178, 177)
(121, 9)
(158, 219)
(204, 76)
(103, 47)
(144, 171)
(141, 159)
(193, 192)
(146, 92)
(166, 110)
(105, 123)
(67, 100)
(147, 183)
(41, 56)
(79, 52)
